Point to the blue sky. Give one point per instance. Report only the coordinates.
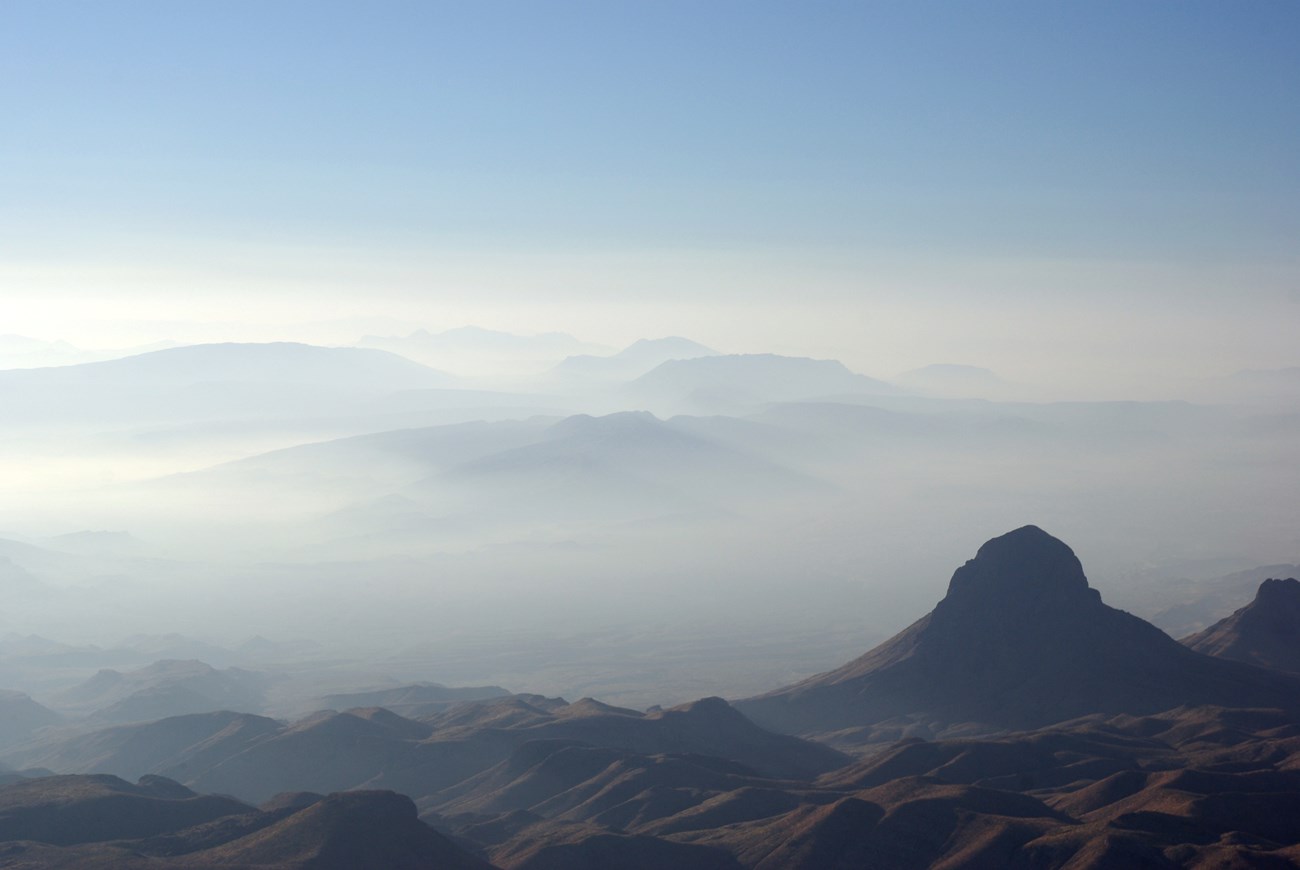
(814, 177)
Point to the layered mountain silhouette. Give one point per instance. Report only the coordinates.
(632, 361)
(165, 688)
(625, 464)
(20, 716)
(1196, 787)
(712, 384)
(954, 381)
(255, 757)
(1265, 632)
(417, 699)
(1019, 641)
(199, 384)
(103, 821)
(474, 350)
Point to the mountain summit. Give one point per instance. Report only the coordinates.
(1027, 565)
(1019, 641)
(1265, 632)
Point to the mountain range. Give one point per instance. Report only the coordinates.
(1021, 723)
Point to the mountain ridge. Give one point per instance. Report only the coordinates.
(1020, 640)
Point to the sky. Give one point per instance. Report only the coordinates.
(1101, 192)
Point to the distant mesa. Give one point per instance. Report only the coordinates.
(1265, 632)
(717, 384)
(1020, 641)
(632, 361)
(283, 362)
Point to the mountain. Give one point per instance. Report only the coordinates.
(1265, 632)
(348, 830)
(629, 464)
(177, 744)
(1265, 387)
(1202, 603)
(722, 384)
(20, 716)
(1019, 641)
(105, 822)
(211, 381)
(256, 758)
(472, 350)
(233, 362)
(65, 810)
(162, 689)
(21, 352)
(414, 700)
(631, 362)
(1193, 787)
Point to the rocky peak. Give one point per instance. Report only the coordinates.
(1021, 569)
(1279, 593)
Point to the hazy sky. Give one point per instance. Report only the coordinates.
(1086, 189)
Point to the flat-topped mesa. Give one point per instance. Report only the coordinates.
(1024, 568)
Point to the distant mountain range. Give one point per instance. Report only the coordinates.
(412, 701)
(631, 362)
(22, 352)
(211, 381)
(103, 821)
(255, 757)
(20, 717)
(165, 688)
(1022, 723)
(745, 382)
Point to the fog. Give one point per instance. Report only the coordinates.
(648, 525)
(646, 351)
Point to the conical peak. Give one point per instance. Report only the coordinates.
(1025, 564)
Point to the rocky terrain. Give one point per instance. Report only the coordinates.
(1022, 723)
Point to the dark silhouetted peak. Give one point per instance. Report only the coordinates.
(1265, 632)
(1025, 565)
(1020, 640)
(1280, 593)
